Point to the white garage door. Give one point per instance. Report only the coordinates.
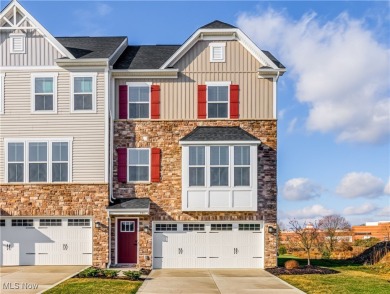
(208, 245)
(46, 241)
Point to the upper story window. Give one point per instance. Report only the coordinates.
(2, 76)
(139, 165)
(83, 92)
(38, 160)
(217, 52)
(18, 43)
(218, 100)
(44, 92)
(139, 100)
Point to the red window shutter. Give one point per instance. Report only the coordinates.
(123, 102)
(234, 101)
(122, 165)
(155, 97)
(202, 101)
(155, 164)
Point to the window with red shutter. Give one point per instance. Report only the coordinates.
(155, 101)
(123, 102)
(156, 165)
(202, 103)
(122, 165)
(234, 101)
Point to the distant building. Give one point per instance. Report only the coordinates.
(380, 230)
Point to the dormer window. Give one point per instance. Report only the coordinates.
(18, 43)
(217, 52)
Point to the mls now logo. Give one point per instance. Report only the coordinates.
(19, 286)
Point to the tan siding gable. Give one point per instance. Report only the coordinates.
(87, 130)
(179, 96)
(39, 51)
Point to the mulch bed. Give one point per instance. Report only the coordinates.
(303, 270)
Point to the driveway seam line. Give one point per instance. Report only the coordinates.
(212, 276)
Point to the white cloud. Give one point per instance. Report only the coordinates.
(310, 212)
(281, 113)
(358, 210)
(91, 19)
(341, 70)
(387, 188)
(301, 189)
(291, 125)
(355, 184)
(385, 211)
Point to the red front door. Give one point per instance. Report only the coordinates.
(127, 240)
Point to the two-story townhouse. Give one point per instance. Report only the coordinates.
(194, 153)
(54, 143)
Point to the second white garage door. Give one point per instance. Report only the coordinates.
(208, 245)
(46, 241)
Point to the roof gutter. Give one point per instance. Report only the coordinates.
(146, 73)
(270, 72)
(98, 62)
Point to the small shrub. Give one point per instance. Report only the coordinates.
(90, 272)
(290, 264)
(325, 254)
(132, 275)
(282, 250)
(367, 242)
(110, 273)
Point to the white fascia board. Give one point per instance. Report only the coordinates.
(121, 47)
(127, 211)
(82, 62)
(145, 73)
(39, 27)
(241, 37)
(258, 142)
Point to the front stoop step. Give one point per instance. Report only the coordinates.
(131, 266)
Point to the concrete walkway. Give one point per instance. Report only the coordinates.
(221, 281)
(34, 279)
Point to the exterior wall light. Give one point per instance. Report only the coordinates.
(98, 225)
(271, 230)
(146, 229)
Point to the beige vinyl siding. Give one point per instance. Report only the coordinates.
(179, 96)
(39, 51)
(87, 129)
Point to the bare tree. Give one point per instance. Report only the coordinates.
(306, 235)
(330, 225)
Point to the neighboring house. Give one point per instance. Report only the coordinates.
(380, 230)
(54, 143)
(172, 165)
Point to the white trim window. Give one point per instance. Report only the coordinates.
(83, 87)
(139, 100)
(15, 166)
(217, 52)
(44, 93)
(218, 97)
(18, 43)
(197, 166)
(219, 176)
(38, 160)
(138, 163)
(2, 76)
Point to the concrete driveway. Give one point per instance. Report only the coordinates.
(34, 279)
(214, 281)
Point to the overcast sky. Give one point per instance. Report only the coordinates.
(333, 102)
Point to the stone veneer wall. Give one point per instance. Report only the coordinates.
(166, 195)
(61, 200)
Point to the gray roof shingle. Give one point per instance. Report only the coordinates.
(216, 24)
(145, 57)
(91, 47)
(218, 134)
(273, 58)
(133, 203)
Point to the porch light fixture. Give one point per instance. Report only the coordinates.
(98, 225)
(271, 230)
(146, 229)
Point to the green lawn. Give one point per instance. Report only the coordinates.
(96, 286)
(373, 279)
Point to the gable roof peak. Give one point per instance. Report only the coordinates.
(217, 24)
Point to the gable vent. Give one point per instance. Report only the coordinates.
(17, 43)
